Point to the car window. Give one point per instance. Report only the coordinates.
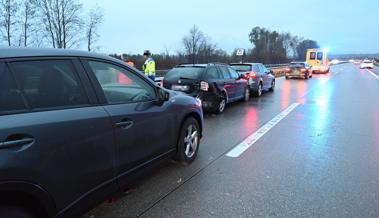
(241, 68)
(256, 68)
(320, 56)
(49, 83)
(120, 85)
(212, 73)
(313, 55)
(10, 96)
(263, 68)
(185, 72)
(233, 73)
(225, 72)
(297, 65)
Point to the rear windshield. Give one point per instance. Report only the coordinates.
(241, 68)
(185, 72)
(297, 64)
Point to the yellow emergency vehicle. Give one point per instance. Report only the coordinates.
(318, 59)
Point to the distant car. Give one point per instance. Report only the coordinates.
(367, 64)
(214, 84)
(76, 128)
(299, 70)
(258, 76)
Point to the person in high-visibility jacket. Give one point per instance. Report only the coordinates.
(149, 65)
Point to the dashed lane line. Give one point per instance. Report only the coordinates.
(253, 138)
(374, 74)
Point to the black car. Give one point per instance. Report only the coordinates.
(214, 84)
(258, 76)
(77, 127)
(299, 70)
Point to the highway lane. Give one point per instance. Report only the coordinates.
(319, 161)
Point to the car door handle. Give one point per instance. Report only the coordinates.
(125, 124)
(16, 143)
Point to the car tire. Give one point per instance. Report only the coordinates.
(220, 108)
(306, 76)
(272, 88)
(246, 95)
(287, 77)
(259, 91)
(15, 212)
(189, 141)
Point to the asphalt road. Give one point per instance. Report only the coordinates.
(321, 160)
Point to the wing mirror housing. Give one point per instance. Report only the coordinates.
(163, 96)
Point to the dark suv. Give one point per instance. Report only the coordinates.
(214, 84)
(76, 128)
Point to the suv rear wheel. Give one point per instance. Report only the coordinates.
(220, 108)
(189, 141)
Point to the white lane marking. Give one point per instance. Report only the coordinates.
(376, 76)
(250, 140)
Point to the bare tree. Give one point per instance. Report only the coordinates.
(95, 19)
(27, 20)
(62, 22)
(193, 42)
(8, 22)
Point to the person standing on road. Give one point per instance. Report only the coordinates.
(149, 65)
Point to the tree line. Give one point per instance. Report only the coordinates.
(268, 47)
(48, 23)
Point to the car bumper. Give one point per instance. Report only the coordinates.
(208, 100)
(296, 74)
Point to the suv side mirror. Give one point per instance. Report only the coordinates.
(163, 96)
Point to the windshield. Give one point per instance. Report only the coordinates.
(241, 68)
(185, 72)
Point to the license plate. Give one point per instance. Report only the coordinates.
(179, 88)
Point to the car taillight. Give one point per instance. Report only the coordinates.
(161, 83)
(288, 69)
(251, 75)
(204, 86)
(303, 70)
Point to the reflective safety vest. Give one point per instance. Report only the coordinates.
(149, 67)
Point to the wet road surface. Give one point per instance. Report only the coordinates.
(320, 160)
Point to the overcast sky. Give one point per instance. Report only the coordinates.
(132, 26)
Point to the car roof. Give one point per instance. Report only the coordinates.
(200, 65)
(245, 63)
(192, 65)
(9, 52)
